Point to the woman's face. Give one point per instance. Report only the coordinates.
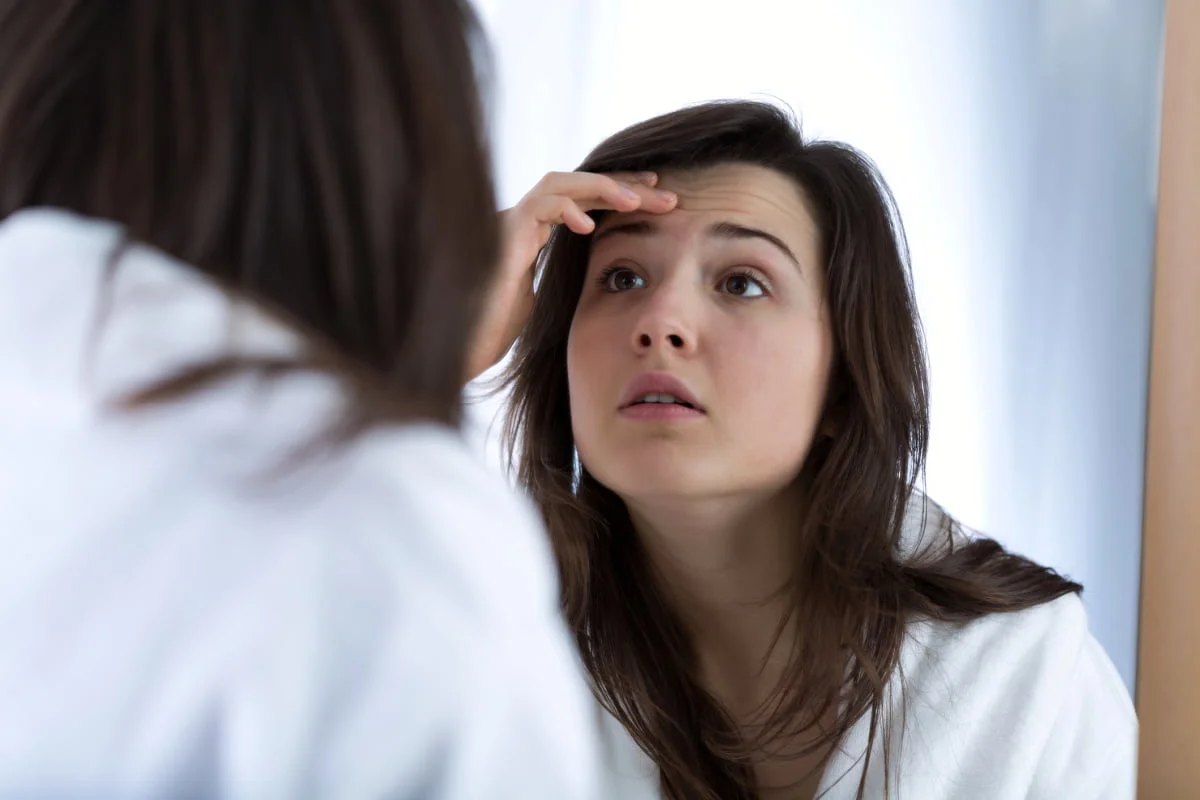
(720, 304)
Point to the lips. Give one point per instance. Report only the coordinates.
(659, 383)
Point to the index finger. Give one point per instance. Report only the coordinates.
(578, 185)
(593, 191)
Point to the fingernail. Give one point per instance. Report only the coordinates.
(650, 178)
(666, 196)
(630, 193)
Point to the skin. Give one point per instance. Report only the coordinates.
(560, 198)
(742, 321)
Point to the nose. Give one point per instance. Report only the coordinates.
(665, 324)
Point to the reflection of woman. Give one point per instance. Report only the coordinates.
(722, 412)
(274, 216)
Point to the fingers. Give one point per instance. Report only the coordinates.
(553, 209)
(577, 219)
(590, 183)
(622, 191)
(626, 197)
(648, 178)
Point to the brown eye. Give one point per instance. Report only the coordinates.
(622, 280)
(742, 286)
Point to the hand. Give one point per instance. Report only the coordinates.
(560, 198)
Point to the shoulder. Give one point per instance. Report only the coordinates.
(1001, 660)
(418, 593)
(88, 335)
(1049, 637)
(1021, 704)
(1025, 700)
(394, 579)
(401, 524)
(423, 483)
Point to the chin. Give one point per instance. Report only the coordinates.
(653, 474)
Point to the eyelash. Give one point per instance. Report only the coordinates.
(738, 272)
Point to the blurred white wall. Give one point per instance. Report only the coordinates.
(1020, 140)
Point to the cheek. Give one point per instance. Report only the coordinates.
(575, 367)
(584, 373)
(778, 380)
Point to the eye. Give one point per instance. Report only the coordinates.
(742, 284)
(621, 279)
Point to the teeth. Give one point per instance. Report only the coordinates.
(659, 398)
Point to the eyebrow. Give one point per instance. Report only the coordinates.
(720, 230)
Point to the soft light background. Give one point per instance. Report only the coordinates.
(1019, 137)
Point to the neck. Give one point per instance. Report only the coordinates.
(726, 566)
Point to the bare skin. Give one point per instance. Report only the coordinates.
(560, 198)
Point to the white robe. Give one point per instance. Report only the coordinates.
(1018, 706)
(177, 622)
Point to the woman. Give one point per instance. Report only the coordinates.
(722, 413)
(246, 555)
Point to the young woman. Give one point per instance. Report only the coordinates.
(245, 553)
(722, 413)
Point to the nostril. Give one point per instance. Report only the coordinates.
(644, 340)
(676, 341)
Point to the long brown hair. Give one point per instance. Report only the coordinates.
(325, 160)
(859, 585)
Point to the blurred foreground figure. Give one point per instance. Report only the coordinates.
(243, 248)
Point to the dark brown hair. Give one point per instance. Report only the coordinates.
(859, 585)
(326, 160)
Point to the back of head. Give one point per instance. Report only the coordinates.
(325, 160)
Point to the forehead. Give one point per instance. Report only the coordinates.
(740, 193)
